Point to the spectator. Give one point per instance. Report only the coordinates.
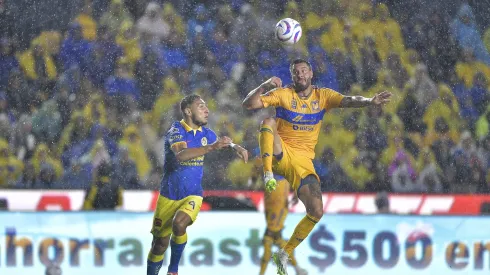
(8, 61)
(479, 93)
(128, 39)
(482, 125)
(77, 176)
(28, 179)
(10, 167)
(42, 156)
(465, 31)
(428, 178)
(46, 122)
(103, 57)
(75, 50)
(104, 193)
(115, 17)
(125, 173)
(152, 24)
(87, 22)
(468, 66)
(388, 35)
(122, 88)
(133, 142)
(47, 178)
(38, 65)
(23, 142)
(200, 22)
(20, 96)
(425, 90)
(325, 75)
(149, 74)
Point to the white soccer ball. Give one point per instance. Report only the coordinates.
(288, 31)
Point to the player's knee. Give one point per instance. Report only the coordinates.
(159, 246)
(316, 212)
(271, 122)
(179, 227)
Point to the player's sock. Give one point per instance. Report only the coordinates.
(177, 245)
(153, 264)
(266, 258)
(266, 144)
(300, 233)
(282, 243)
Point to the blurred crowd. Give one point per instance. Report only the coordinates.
(104, 91)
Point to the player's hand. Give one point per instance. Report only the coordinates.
(273, 82)
(221, 143)
(241, 152)
(381, 98)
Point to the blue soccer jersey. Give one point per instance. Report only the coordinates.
(182, 179)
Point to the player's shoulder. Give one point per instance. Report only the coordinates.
(288, 89)
(208, 131)
(175, 128)
(323, 91)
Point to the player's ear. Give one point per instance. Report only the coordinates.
(187, 111)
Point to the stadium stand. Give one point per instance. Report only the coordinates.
(103, 86)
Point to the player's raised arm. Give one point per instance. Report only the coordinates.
(360, 101)
(182, 153)
(253, 100)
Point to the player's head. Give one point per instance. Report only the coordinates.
(301, 73)
(195, 109)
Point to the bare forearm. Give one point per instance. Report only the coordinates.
(190, 153)
(252, 100)
(355, 102)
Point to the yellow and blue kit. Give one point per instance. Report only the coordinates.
(181, 188)
(299, 124)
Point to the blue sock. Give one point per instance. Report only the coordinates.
(153, 268)
(176, 249)
(153, 264)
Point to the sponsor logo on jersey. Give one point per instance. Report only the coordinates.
(307, 128)
(204, 141)
(294, 104)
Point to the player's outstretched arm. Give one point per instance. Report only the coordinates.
(182, 153)
(360, 101)
(253, 101)
(240, 151)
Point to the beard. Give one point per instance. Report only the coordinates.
(298, 87)
(197, 121)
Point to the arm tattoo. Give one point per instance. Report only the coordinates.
(355, 102)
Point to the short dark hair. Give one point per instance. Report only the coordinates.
(187, 101)
(299, 61)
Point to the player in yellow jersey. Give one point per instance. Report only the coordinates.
(276, 210)
(287, 146)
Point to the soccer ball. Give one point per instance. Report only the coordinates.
(288, 31)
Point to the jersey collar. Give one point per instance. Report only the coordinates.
(188, 128)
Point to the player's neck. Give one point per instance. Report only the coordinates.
(305, 93)
(191, 124)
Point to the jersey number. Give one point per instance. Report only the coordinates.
(193, 204)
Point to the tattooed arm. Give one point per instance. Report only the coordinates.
(360, 101)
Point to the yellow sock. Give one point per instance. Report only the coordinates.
(267, 242)
(154, 258)
(300, 233)
(266, 144)
(282, 243)
(179, 239)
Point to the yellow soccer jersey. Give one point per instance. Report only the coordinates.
(299, 120)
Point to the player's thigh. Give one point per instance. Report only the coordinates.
(163, 216)
(188, 210)
(303, 168)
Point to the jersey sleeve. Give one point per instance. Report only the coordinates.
(331, 99)
(175, 136)
(212, 137)
(271, 98)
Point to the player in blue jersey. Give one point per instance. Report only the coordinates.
(181, 192)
